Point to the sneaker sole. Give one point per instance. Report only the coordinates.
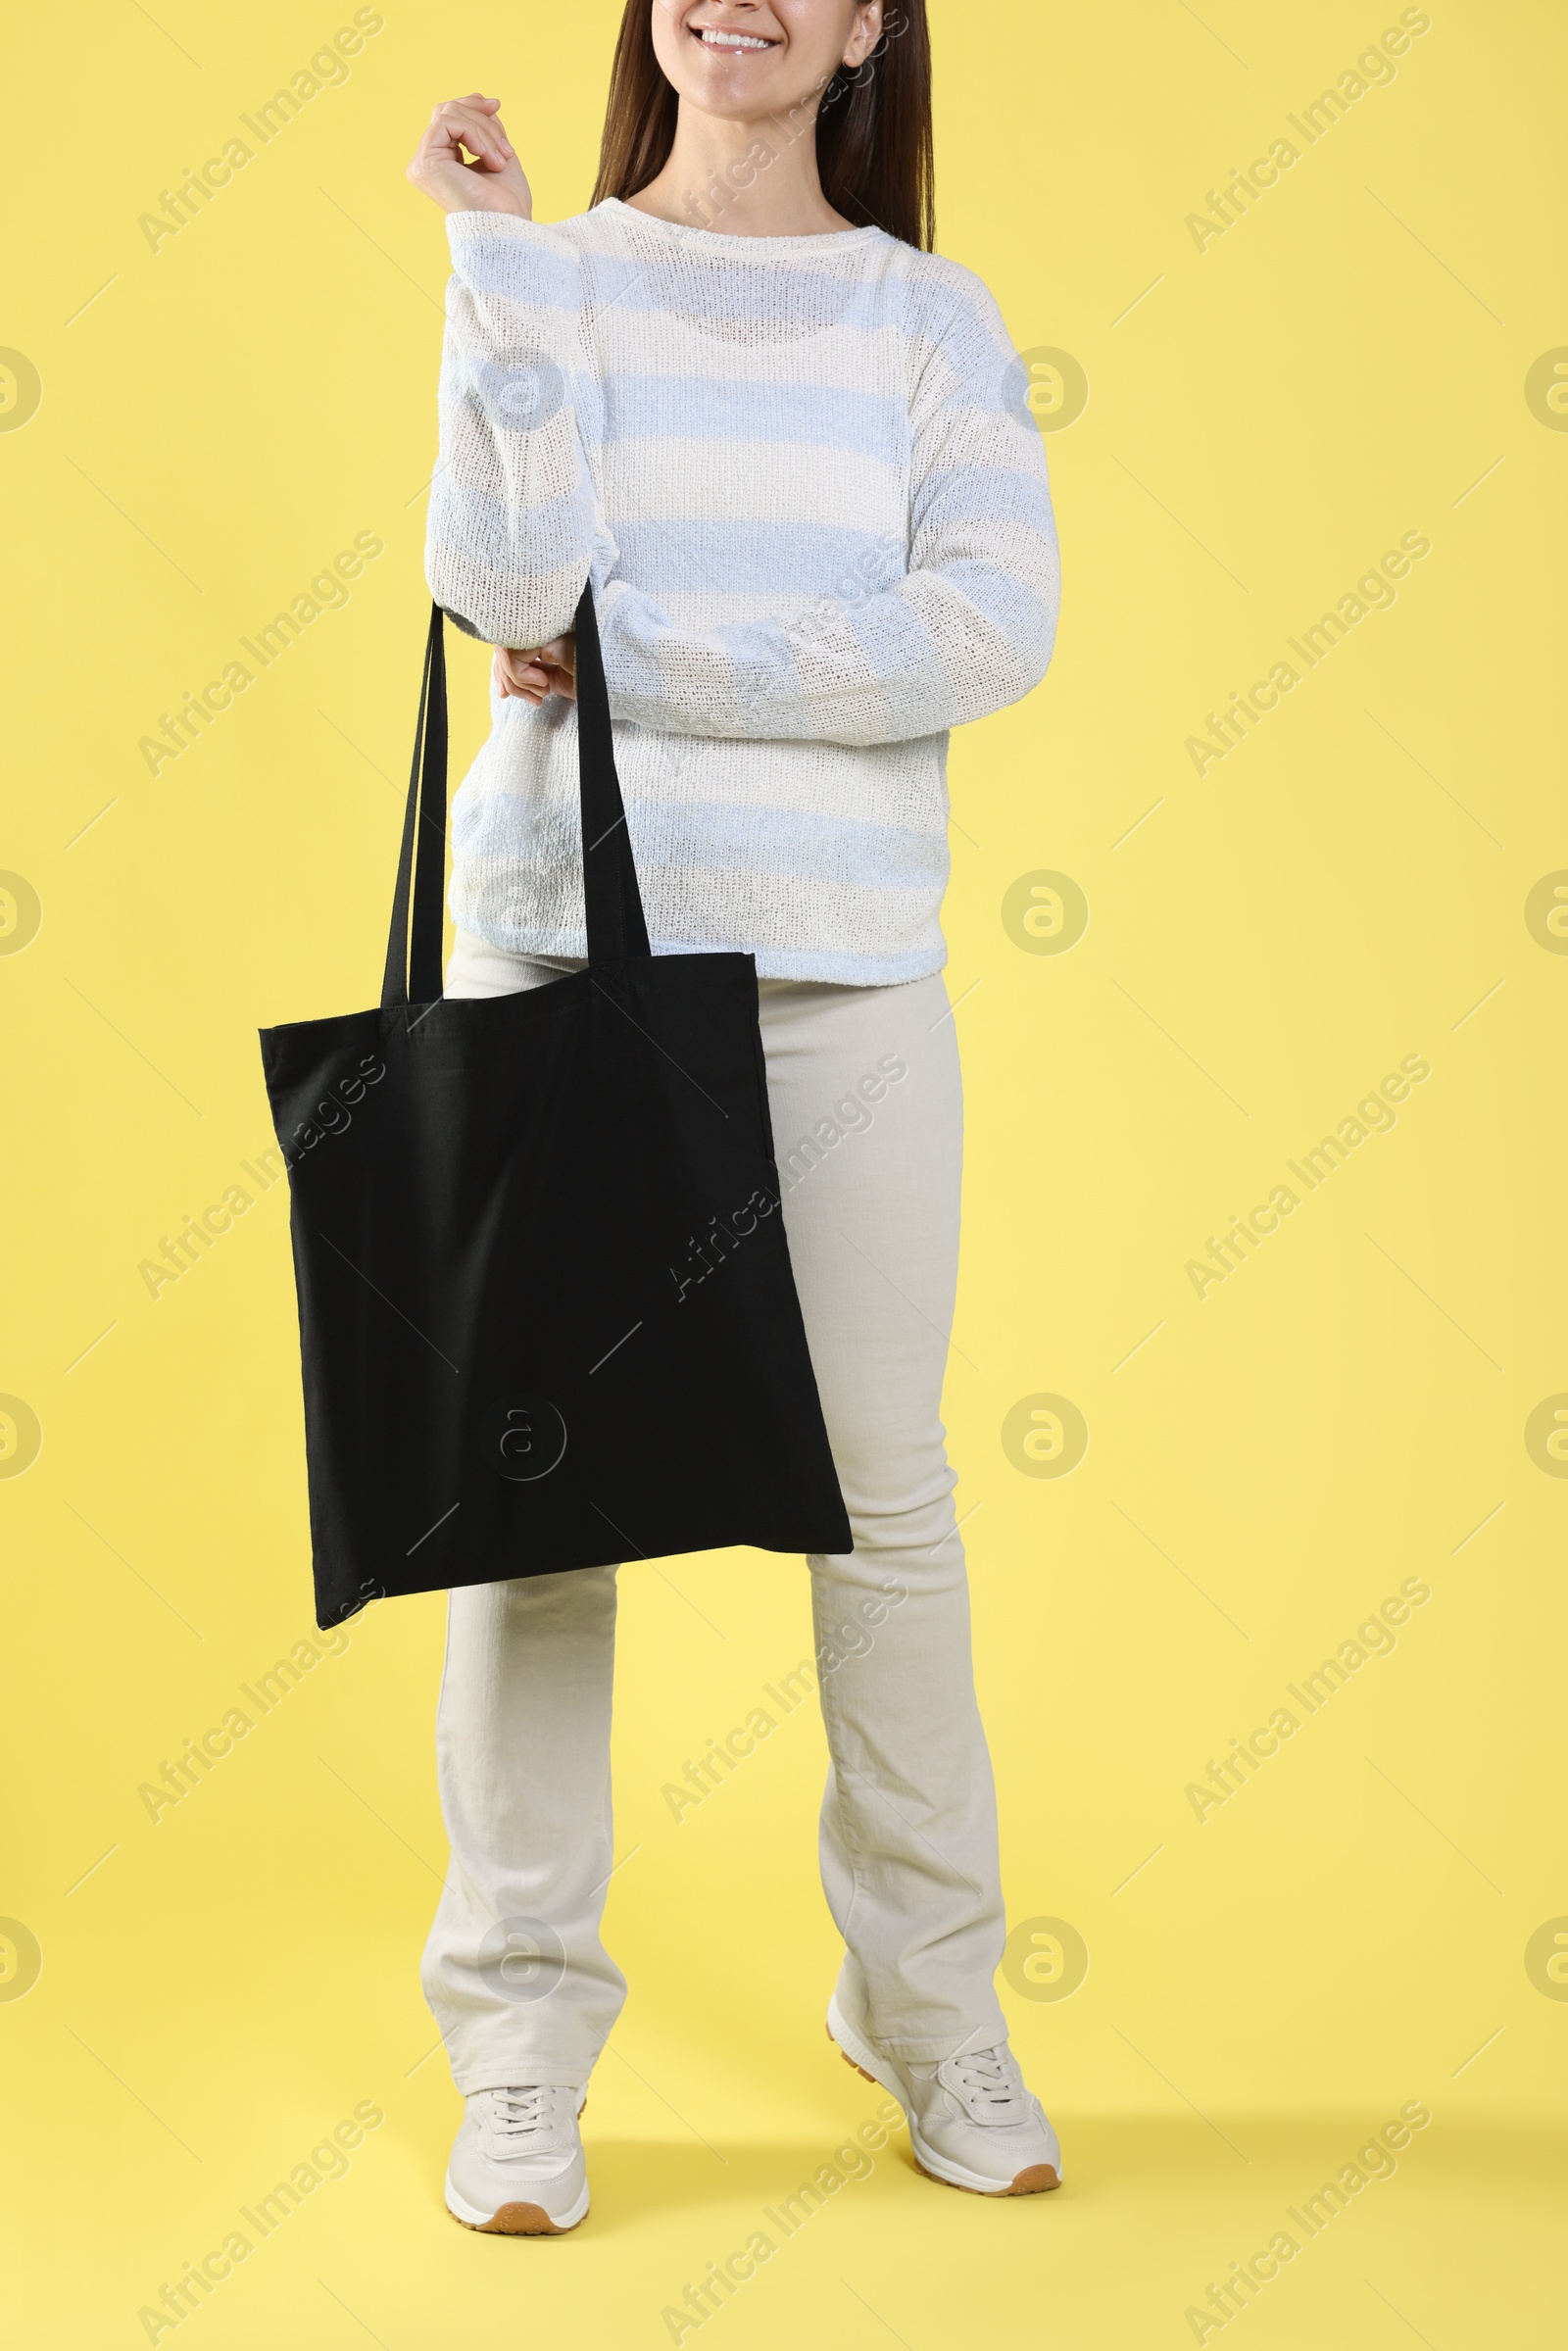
(514, 2220)
(1035, 2179)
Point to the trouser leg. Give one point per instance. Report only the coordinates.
(908, 1824)
(515, 1970)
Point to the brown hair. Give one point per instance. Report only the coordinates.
(873, 125)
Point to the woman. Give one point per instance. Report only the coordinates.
(789, 447)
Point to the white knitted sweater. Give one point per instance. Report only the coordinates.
(802, 477)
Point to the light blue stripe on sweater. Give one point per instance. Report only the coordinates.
(965, 494)
(1013, 609)
(747, 556)
(524, 269)
(716, 837)
(637, 408)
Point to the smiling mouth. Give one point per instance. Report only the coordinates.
(731, 44)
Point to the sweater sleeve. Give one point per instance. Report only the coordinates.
(966, 627)
(511, 530)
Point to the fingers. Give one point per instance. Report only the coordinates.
(476, 103)
(557, 664)
(472, 123)
(532, 677)
(522, 676)
(562, 656)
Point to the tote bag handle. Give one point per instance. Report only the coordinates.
(611, 901)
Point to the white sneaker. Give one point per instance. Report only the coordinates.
(517, 2165)
(973, 2122)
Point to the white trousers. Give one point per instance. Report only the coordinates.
(867, 1106)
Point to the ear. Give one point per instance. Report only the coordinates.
(868, 30)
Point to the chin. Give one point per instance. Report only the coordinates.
(736, 92)
(737, 106)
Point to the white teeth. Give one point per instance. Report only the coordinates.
(730, 40)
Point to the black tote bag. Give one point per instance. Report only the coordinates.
(547, 1316)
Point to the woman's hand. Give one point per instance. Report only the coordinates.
(492, 183)
(535, 676)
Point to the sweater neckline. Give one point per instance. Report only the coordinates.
(836, 240)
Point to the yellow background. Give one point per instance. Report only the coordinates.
(1265, 417)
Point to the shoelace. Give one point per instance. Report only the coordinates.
(521, 2112)
(986, 2080)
